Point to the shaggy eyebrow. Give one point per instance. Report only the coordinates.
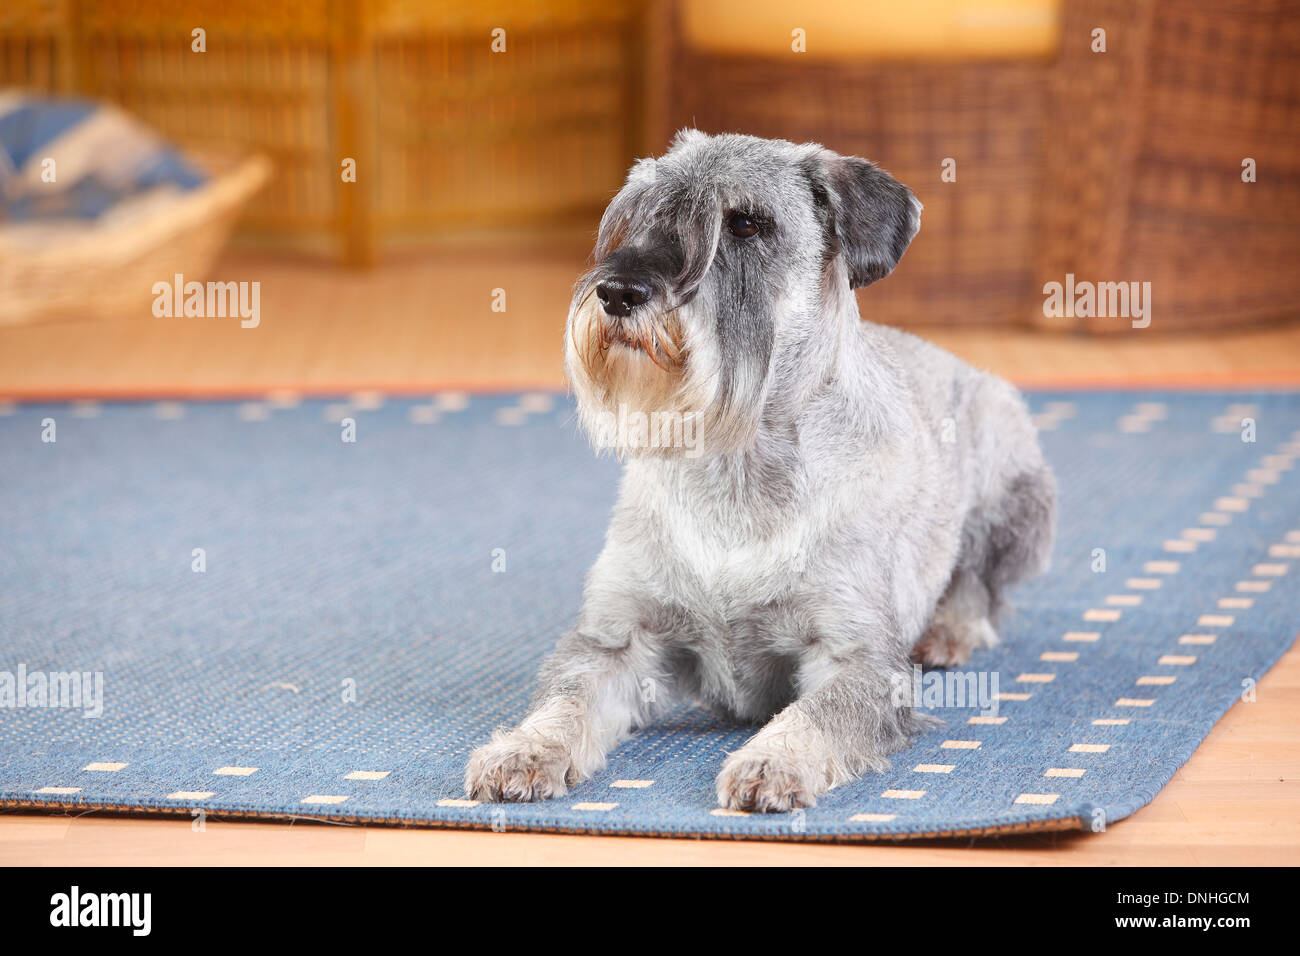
(757, 212)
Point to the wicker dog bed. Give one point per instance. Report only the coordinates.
(109, 267)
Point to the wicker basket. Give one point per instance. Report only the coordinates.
(973, 259)
(444, 132)
(1115, 167)
(30, 53)
(1143, 172)
(111, 269)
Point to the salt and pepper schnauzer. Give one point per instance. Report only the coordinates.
(862, 496)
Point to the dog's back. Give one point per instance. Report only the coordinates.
(1009, 492)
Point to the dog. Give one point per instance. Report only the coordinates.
(859, 498)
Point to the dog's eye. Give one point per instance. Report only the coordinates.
(741, 226)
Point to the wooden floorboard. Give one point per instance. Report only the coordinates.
(424, 323)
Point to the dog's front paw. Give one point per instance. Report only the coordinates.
(518, 766)
(767, 783)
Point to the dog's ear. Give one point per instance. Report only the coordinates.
(873, 215)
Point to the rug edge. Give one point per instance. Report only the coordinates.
(55, 808)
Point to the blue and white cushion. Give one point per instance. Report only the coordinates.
(69, 160)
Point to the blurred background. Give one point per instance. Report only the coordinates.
(1104, 139)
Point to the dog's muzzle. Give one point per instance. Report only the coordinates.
(630, 316)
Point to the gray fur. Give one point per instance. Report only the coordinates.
(862, 495)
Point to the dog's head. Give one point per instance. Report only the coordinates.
(722, 278)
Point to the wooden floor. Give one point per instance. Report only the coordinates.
(427, 322)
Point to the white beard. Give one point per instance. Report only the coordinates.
(629, 404)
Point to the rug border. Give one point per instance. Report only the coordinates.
(55, 808)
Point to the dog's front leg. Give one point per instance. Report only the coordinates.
(846, 725)
(592, 694)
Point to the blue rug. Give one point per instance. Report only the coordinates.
(277, 623)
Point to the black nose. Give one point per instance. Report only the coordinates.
(621, 294)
